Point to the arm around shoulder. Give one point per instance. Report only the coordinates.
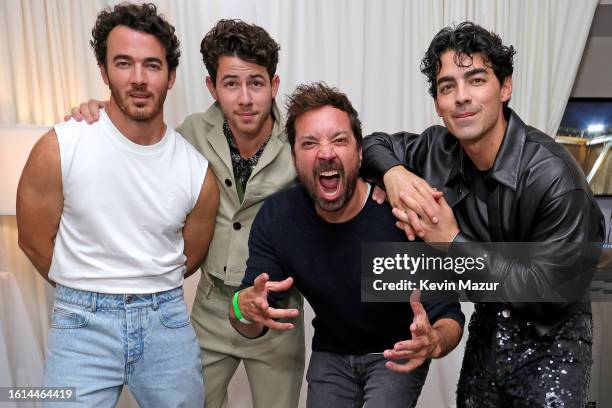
(40, 201)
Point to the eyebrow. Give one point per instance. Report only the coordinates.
(233, 76)
(475, 71)
(130, 58)
(467, 74)
(341, 133)
(122, 56)
(335, 135)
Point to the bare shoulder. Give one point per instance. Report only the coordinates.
(46, 148)
(44, 160)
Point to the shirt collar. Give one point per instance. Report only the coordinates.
(505, 168)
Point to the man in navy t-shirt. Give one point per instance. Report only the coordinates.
(310, 236)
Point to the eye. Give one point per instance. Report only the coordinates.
(229, 84)
(122, 64)
(445, 88)
(478, 81)
(153, 66)
(308, 144)
(341, 141)
(257, 84)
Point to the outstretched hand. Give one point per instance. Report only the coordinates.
(253, 303)
(424, 343)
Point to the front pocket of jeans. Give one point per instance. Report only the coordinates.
(68, 319)
(174, 314)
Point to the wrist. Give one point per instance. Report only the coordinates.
(453, 235)
(236, 307)
(437, 349)
(392, 172)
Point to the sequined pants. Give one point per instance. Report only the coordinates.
(506, 364)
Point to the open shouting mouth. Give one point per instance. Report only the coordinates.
(329, 182)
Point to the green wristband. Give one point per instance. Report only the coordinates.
(237, 311)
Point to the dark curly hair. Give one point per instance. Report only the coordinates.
(466, 39)
(307, 97)
(236, 38)
(139, 17)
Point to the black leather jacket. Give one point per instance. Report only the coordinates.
(538, 194)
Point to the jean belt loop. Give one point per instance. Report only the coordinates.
(155, 303)
(94, 298)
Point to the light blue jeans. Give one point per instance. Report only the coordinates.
(99, 342)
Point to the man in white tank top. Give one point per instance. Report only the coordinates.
(115, 214)
(242, 135)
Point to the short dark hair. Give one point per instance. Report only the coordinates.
(466, 39)
(307, 97)
(235, 38)
(139, 17)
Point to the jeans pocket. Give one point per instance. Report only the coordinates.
(174, 314)
(67, 317)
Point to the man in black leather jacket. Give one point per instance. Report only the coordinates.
(489, 177)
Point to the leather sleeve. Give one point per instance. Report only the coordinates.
(382, 151)
(559, 266)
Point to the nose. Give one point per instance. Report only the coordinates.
(245, 95)
(139, 75)
(462, 95)
(326, 151)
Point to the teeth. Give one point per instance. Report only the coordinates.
(329, 173)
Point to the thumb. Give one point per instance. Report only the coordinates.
(415, 296)
(418, 310)
(420, 315)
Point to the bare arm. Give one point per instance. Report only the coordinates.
(40, 202)
(200, 223)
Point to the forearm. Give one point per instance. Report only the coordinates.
(193, 263)
(40, 254)
(448, 332)
(200, 224)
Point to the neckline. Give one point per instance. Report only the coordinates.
(116, 135)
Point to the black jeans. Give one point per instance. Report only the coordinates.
(356, 381)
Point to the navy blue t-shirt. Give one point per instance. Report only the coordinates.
(288, 238)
